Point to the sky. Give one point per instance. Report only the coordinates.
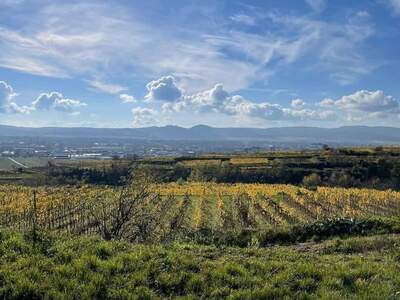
(222, 63)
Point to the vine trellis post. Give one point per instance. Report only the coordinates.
(34, 216)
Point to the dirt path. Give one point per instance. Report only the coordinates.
(18, 163)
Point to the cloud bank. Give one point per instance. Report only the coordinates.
(172, 100)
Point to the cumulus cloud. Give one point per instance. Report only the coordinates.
(127, 98)
(327, 102)
(163, 89)
(143, 116)
(366, 101)
(213, 99)
(44, 101)
(218, 100)
(355, 107)
(56, 101)
(267, 111)
(7, 105)
(296, 103)
(6, 94)
(14, 108)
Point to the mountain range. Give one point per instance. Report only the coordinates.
(343, 135)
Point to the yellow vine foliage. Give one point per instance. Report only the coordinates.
(248, 160)
(274, 201)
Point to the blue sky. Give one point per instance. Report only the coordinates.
(259, 63)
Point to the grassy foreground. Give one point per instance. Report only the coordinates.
(66, 267)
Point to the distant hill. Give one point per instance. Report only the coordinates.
(347, 134)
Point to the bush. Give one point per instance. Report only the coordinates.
(312, 180)
(328, 228)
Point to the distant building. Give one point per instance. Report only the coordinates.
(7, 153)
(61, 156)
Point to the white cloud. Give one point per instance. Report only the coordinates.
(274, 112)
(108, 39)
(90, 46)
(27, 54)
(296, 103)
(317, 5)
(143, 116)
(127, 98)
(244, 19)
(11, 2)
(365, 105)
(378, 115)
(335, 48)
(6, 94)
(209, 100)
(327, 102)
(358, 107)
(14, 108)
(395, 5)
(45, 101)
(218, 100)
(309, 114)
(163, 89)
(56, 101)
(366, 101)
(106, 87)
(7, 105)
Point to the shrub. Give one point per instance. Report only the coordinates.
(312, 180)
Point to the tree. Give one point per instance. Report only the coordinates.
(395, 174)
(125, 215)
(312, 180)
(378, 149)
(326, 147)
(342, 179)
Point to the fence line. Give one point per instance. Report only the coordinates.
(65, 216)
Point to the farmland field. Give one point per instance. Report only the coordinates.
(6, 164)
(30, 162)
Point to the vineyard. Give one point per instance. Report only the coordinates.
(146, 238)
(178, 209)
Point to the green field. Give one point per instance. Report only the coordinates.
(89, 268)
(7, 165)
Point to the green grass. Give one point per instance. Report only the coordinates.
(67, 267)
(31, 162)
(292, 234)
(6, 164)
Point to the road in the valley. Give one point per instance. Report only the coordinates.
(18, 163)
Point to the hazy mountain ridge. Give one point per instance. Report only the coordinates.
(347, 134)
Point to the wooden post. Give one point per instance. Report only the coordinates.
(34, 217)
